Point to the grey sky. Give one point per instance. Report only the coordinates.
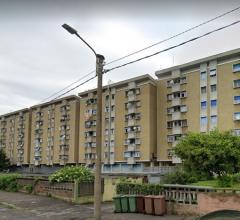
(38, 57)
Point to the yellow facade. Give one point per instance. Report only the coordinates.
(143, 118)
(197, 97)
(15, 136)
(54, 133)
(129, 125)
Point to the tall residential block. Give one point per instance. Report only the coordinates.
(129, 124)
(55, 131)
(197, 97)
(15, 136)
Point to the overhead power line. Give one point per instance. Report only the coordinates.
(57, 92)
(143, 49)
(170, 48)
(74, 87)
(174, 36)
(154, 54)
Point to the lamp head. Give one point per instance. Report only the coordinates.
(69, 29)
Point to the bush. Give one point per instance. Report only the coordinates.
(225, 181)
(236, 178)
(180, 177)
(138, 188)
(72, 173)
(8, 182)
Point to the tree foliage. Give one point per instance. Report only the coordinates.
(210, 153)
(4, 161)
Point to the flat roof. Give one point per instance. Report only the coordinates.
(121, 83)
(55, 101)
(195, 63)
(15, 112)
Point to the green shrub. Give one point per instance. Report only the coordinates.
(236, 178)
(180, 177)
(8, 182)
(225, 181)
(71, 173)
(138, 188)
(28, 188)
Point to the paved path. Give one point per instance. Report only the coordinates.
(19, 206)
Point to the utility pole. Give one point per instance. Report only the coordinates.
(98, 163)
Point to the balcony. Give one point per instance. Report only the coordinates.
(213, 95)
(213, 80)
(176, 116)
(90, 139)
(131, 97)
(131, 147)
(175, 73)
(203, 83)
(177, 130)
(203, 97)
(131, 110)
(176, 87)
(213, 111)
(176, 101)
(132, 85)
(131, 135)
(203, 112)
(131, 160)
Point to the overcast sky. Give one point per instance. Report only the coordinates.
(38, 57)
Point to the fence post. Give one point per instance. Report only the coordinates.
(75, 190)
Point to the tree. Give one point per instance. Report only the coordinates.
(4, 161)
(209, 154)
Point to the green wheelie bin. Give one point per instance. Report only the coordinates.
(124, 204)
(132, 201)
(117, 204)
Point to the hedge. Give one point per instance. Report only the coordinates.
(138, 189)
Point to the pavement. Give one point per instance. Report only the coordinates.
(20, 206)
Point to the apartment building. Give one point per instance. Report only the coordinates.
(55, 132)
(15, 136)
(129, 124)
(197, 97)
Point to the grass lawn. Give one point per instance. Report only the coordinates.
(214, 183)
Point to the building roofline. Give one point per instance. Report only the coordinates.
(55, 101)
(120, 83)
(15, 112)
(195, 63)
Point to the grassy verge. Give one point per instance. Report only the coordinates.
(214, 183)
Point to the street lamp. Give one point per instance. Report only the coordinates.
(99, 71)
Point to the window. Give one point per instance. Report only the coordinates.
(214, 103)
(213, 119)
(236, 83)
(213, 88)
(203, 121)
(236, 67)
(203, 76)
(203, 105)
(203, 90)
(213, 73)
(236, 99)
(237, 116)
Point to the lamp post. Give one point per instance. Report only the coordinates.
(99, 71)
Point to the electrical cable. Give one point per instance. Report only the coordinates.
(174, 36)
(170, 48)
(138, 51)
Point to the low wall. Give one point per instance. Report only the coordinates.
(190, 200)
(68, 191)
(59, 190)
